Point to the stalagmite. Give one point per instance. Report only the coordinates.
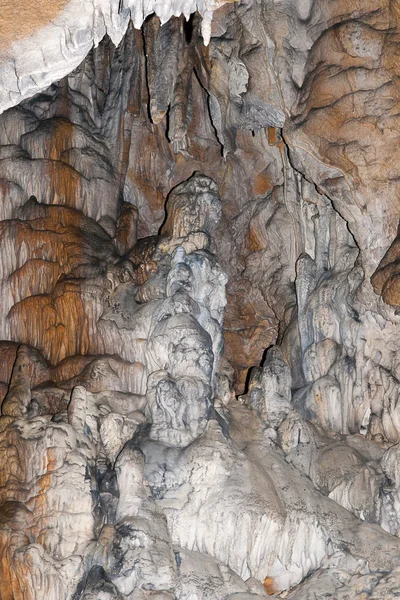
(18, 397)
(199, 279)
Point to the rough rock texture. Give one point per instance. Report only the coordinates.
(44, 41)
(199, 250)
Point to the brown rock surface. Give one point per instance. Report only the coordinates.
(21, 20)
(181, 224)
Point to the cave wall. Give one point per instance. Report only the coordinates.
(200, 294)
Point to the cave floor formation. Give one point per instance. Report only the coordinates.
(200, 301)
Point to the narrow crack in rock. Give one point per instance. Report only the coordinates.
(200, 296)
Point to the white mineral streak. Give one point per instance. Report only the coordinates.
(56, 465)
(32, 64)
(131, 468)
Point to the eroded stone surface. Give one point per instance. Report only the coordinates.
(200, 366)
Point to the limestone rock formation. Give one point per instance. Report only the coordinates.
(199, 250)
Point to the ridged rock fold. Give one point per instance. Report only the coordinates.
(199, 317)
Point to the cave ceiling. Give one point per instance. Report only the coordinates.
(200, 300)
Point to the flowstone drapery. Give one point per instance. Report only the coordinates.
(199, 355)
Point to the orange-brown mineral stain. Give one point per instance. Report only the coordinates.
(253, 242)
(274, 138)
(21, 19)
(269, 586)
(51, 459)
(261, 184)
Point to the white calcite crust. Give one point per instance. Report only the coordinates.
(199, 283)
(29, 65)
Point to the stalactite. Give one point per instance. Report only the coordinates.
(199, 358)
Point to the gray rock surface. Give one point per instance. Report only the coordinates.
(199, 365)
